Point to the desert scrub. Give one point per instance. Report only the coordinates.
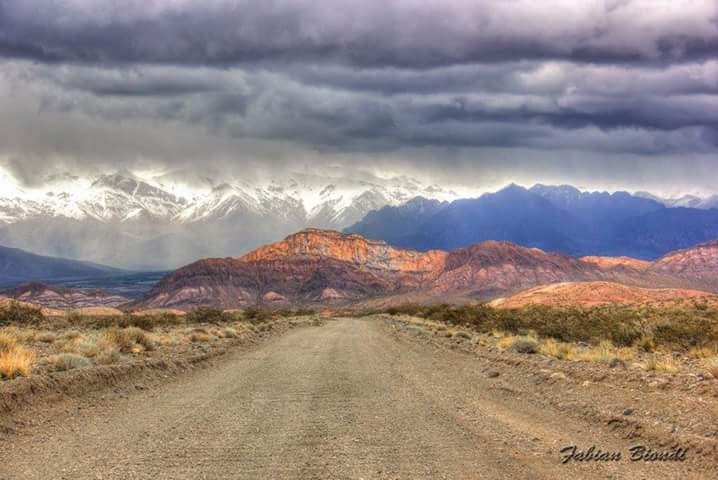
(108, 355)
(665, 364)
(605, 352)
(130, 339)
(524, 345)
(20, 314)
(15, 359)
(230, 332)
(46, 337)
(209, 315)
(678, 327)
(559, 350)
(200, 335)
(68, 361)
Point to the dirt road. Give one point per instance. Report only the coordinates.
(344, 400)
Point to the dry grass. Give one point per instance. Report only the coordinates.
(704, 352)
(46, 337)
(518, 343)
(605, 352)
(560, 350)
(130, 339)
(200, 336)
(15, 359)
(7, 341)
(230, 333)
(665, 364)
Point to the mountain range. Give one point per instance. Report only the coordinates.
(554, 218)
(17, 266)
(319, 267)
(159, 223)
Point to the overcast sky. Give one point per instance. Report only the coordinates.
(602, 94)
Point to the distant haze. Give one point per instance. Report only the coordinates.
(601, 94)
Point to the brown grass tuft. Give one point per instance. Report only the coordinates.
(130, 339)
(15, 360)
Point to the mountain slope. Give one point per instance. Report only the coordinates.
(20, 266)
(554, 218)
(64, 298)
(396, 224)
(593, 293)
(319, 266)
(514, 214)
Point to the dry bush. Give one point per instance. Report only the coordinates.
(70, 335)
(15, 360)
(130, 339)
(46, 337)
(108, 355)
(200, 335)
(605, 352)
(230, 332)
(666, 364)
(704, 352)
(7, 341)
(20, 314)
(524, 345)
(68, 361)
(560, 350)
(646, 343)
(209, 315)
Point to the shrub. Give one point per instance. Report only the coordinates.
(208, 315)
(667, 364)
(230, 332)
(257, 315)
(200, 335)
(69, 361)
(108, 355)
(71, 335)
(130, 339)
(46, 337)
(7, 341)
(524, 345)
(560, 350)
(15, 360)
(19, 313)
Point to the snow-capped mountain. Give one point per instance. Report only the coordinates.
(684, 201)
(151, 221)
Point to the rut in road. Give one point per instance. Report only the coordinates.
(344, 400)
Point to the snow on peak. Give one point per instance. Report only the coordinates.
(123, 196)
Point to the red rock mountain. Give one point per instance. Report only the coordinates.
(320, 266)
(65, 298)
(698, 264)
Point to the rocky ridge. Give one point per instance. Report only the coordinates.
(317, 266)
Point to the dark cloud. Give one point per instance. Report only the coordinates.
(403, 33)
(517, 88)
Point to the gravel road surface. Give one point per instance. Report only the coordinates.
(341, 401)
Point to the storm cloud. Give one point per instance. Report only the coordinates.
(594, 92)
